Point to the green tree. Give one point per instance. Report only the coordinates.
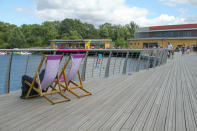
(104, 33)
(132, 26)
(50, 31)
(109, 29)
(5, 33)
(121, 42)
(69, 29)
(16, 39)
(68, 25)
(65, 36)
(73, 35)
(90, 32)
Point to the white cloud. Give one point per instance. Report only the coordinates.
(174, 2)
(182, 10)
(20, 9)
(99, 11)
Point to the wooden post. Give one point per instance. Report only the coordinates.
(7, 85)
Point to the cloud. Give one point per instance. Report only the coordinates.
(99, 11)
(174, 2)
(20, 9)
(182, 10)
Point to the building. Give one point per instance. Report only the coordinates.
(160, 36)
(82, 44)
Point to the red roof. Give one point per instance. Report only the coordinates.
(170, 27)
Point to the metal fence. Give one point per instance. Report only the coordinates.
(96, 63)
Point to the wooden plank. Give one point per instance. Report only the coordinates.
(138, 108)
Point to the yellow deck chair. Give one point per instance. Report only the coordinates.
(69, 84)
(52, 63)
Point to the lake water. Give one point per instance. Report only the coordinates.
(22, 64)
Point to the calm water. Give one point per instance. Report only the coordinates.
(19, 68)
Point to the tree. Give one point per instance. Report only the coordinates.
(73, 35)
(104, 33)
(16, 39)
(68, 25)
(121, 42)
(90, 32)
(65, 36)
(50, 31)
(132, 26)
(33, 35)
(5, 33)
(109, 29)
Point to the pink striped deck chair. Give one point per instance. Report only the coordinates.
(69, 83)
(52, 63)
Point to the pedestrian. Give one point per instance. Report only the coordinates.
(170, 48)
(183, 49)
(196, 48)
(188, 49)
(172, 51)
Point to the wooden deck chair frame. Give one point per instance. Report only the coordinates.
(39, 89)
(67, 83)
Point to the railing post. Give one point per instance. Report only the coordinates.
(26, 64)
(148, 61)
(7, 85)
(166, 55)
(162, 57)
(124, 71)
(83, 75)
(108, 64)
(155, 57)
(138, 62)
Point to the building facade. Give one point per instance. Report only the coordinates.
(82, 44)
(160, 36)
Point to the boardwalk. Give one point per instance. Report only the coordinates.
(160, 99)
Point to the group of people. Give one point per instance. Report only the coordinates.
(185, 49)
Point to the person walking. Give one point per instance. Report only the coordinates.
(183, 49)
(188, 49)
(170, 49)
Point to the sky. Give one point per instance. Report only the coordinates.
(143, 12)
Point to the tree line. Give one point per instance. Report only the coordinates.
(38, 35)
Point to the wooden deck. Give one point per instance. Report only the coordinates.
(160, 99)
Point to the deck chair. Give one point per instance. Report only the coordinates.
(52, 63)
(68, 79)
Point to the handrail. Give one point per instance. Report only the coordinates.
(129, 60)
(92, 50)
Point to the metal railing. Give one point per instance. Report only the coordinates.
(96, 63)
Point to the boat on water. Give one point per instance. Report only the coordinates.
(25, 53)
(16, 53)
(3, 53)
